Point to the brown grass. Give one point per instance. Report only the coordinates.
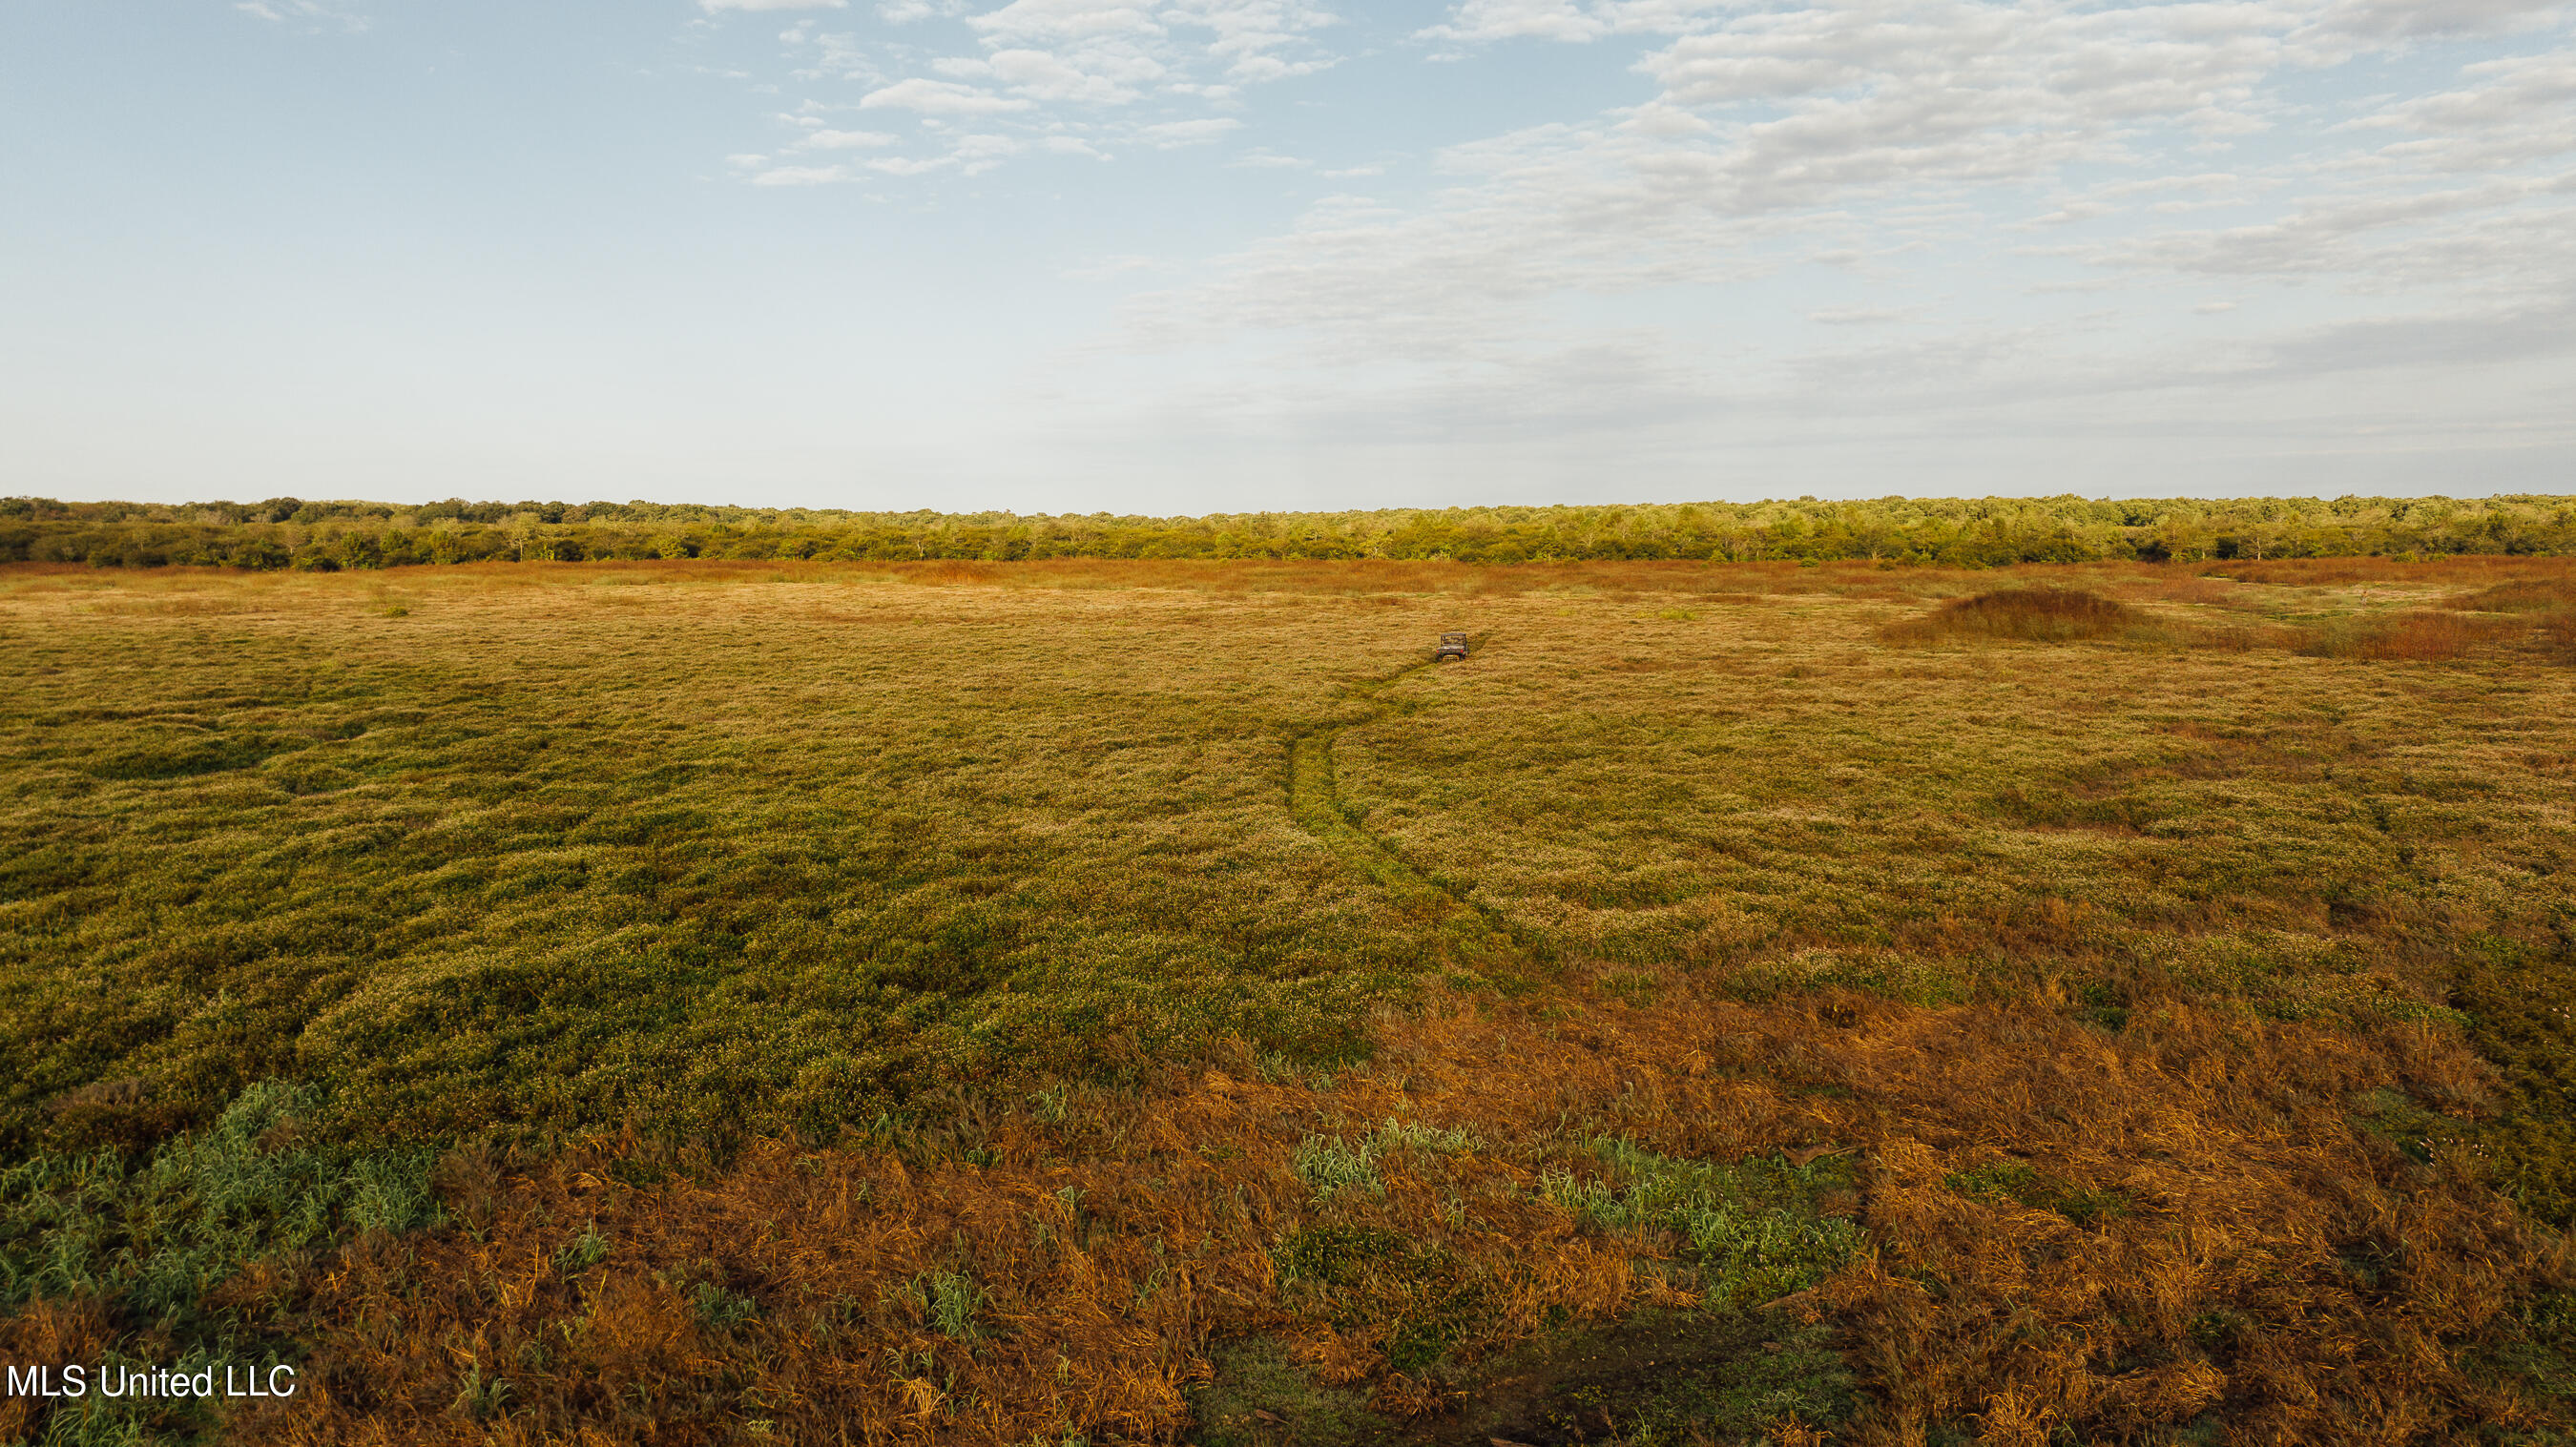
(2529, 595)
(2458, 572)
(2228, 1276)
(2410, 637)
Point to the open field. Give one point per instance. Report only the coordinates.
(1090, 1001)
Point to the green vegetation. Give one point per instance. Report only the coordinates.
(1753, 1229)
(1950, 532)
(150, 1238)
(714, 873)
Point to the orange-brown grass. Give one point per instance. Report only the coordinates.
(2034, 615)
(2528, 595)
(51, 1333)
(1374, 576)
(2264, 1253)
(2411, 637)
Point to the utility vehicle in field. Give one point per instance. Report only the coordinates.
(1452, 645)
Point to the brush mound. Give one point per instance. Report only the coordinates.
(2033, 615)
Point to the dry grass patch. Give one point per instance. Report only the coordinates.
(2060, 1232)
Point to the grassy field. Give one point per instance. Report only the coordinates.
(1082, 1002)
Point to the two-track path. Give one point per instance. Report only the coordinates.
(1476, 927)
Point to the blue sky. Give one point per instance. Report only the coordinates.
(1221, 255)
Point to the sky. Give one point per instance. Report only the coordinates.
(1067, 256)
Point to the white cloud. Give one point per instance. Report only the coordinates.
(976, 154)
(1868, 133)
(1036, 22)
(1048, 68)
(1813, 192)
(831, 140)
(801, 176)
(939, 98)
(1565, 20)
(1188, 133)
(1044, 75)
(311, 13)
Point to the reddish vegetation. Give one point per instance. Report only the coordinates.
(2528, 595)
(2408, 637)
(2226, 1273)
(2469, 572)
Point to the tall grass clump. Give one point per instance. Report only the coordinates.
(2029, 615)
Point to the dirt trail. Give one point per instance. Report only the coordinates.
(1478, 929)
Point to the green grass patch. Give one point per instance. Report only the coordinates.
(1752, 1230)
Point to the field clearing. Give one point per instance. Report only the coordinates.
(711, 1002)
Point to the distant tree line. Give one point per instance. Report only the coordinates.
(288, 532)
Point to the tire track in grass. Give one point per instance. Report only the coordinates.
(1472, 928)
